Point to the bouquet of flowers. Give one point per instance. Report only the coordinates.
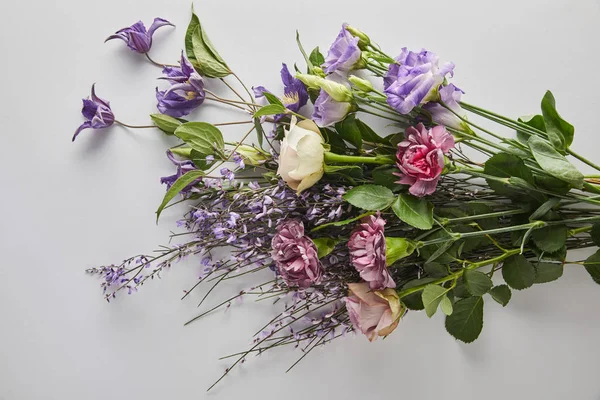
(354, 226)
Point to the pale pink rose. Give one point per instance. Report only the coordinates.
(295, 255)
(367, 252)
(420, 158)
(374, 313)
(301, 155)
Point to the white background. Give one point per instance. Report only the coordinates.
(69, 206)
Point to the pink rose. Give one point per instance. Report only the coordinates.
(421, 158)
(374, 313)
(295, 255)
(367, 252)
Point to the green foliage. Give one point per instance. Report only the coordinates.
(270, 109)
(466, 322)
(477, 283)
(595, 233)
(397, 248)
(501, 294)
(384, 176)
(547, 272)
(551, 238)
(325, 246)
(316, 58)
(534, 121)
(272, 99)
(542, 210)
(165, 123)
(435, 269)
(560, 132)
(504, 165)
(432, 297)
(369, 134)
(201, 52)
(202, 137)
(554, 163)
(414, 211)
(518, 272)
(414, 301)
(177, 187)
(349, 130)
(341, 223)
(592, 266)
(370, 197)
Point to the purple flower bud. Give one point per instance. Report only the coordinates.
(414, 79)
(295, 255)
(344, 54)
(450, 96)
(367, 252)
(97, 112)
(183, 167)
(186, 92)
(136, 36)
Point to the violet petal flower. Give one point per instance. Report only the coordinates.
(295, 95)
(136, 36)
(183, 167)
(367, 252)
(414, 80)
(295, 255)
(186, 92)
(450, 96)
(97, 112)
(344, 54)
(420, 158)
(327, 111)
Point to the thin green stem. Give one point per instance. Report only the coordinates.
(340, 158)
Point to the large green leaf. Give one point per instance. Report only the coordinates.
(270, 109)
(206, 59)
(316, 58)
(414, 211)
(592, 266)
(477, 283)
(177, 187)
(518, 272)
(397, 248)
(560, 132)
(432, 296)
(501, 294)
(370, 197)
(550, 238)
(504, 165)
(202, 137)
(466, 322)
(554, 163)
(547, 272)
(165, 123)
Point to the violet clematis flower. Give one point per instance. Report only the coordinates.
(295, 95)
(450, 96)
(98, 113)
(183, 167)
(136, 36)
(367, 252)
(344, 54)
(186, 92)
(414, 80)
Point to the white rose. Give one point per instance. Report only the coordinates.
(302, 155)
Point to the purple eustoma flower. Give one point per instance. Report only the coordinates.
(327, 111)
(295, 95)
(414, 79)
(344, 54)
(186, 92)
(183, 167)
(97, 112)
(450, 97)
(136, 36)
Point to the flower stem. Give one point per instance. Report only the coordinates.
(340, 158)
(157, 63)
(134, 126)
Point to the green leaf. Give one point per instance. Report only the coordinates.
(370, 197)
(544, 208)
(397, 248)
(554, 163)
(505, 165)
(165, 123)
(270, 109)
(432, 296)
(550, 238)
(435, 270)
(477, 283)
(332, 169)
(518, 272)
(552, 184)
(202, 137)
(349, 131)
(333, 139)
(177, 187)
(368, 134)
(501, 294)
(272, 99)
(547, 272)
(325, 246)
(559, 131)
(595, 233)
(534, 121)
(414, 211)
(592, 266)
(316, 58)
(414, 301)
(260, 132)
(189, 46)
(309, 64)
(199, 160)
(466, 322)
(446, 305)
(384, 176)
(206, 60)
(341, 223)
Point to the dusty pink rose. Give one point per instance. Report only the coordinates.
(374, 313)
(295, 255)
(367, 252)
(421, 158)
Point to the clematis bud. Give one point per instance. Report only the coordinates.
(136, 36)
(252, 155)
(97, 112)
